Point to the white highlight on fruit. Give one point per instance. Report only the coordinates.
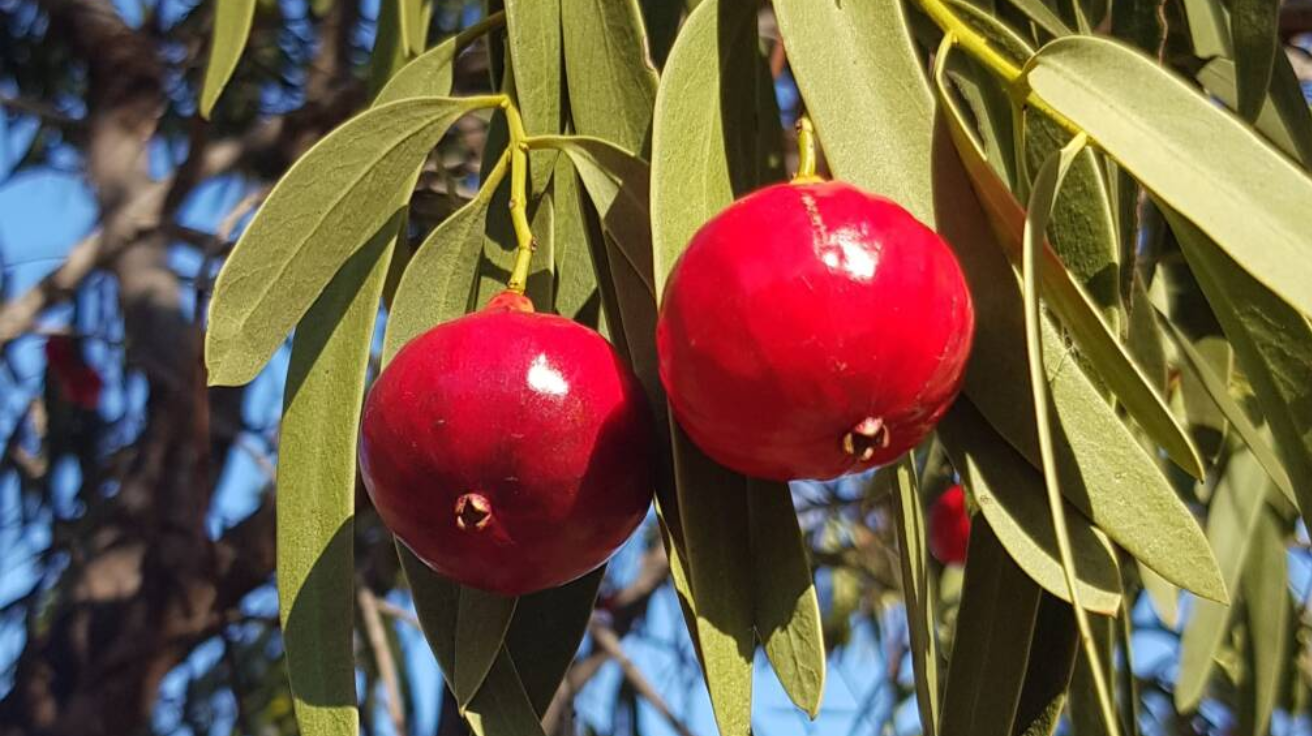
(847, 249)
(545, 379)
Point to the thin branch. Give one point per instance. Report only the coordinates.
(606, 639)
(373, 627)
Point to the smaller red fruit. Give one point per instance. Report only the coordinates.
(509, 450)
(79, 384)
(949, 527)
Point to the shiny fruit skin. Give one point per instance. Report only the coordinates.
(949, 527)
(510, 451)
(813, 330)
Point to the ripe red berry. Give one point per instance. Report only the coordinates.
(813, 330)
(509, 450)
(949, 527)
(79, 384)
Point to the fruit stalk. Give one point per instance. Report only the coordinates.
(519, 198)
(805, 152)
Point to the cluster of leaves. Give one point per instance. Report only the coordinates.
(1092, 194)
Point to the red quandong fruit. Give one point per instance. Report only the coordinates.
(812, 330)
(509, 450)
(949, 527)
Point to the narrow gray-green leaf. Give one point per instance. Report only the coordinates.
(1238, 418)
(502, 708)
(545, 633)
(1253, 25)
(435, 287)
(1085, 711)
(389, 53)
(414, 26)
(1011, 497)
(576, 277)
(858, 72)
(535, 49)
(332, 199)
(1273, 344)
(1280, 119)
(1043, 16)
(232, 26)
(612, 85)
(437, 601)
(316, 491)
(713, 506)
(482, 620)
(703, 154)
(1048, 674)
(1265, 587)
(918, 594)
(787, 612)
(1200, 160)
(1164, 596)
(1209, 28)
(1071, 303)
(990, 652)
(1235, 511)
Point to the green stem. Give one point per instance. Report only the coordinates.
(974, 43)
(519, 198)
(806, 158)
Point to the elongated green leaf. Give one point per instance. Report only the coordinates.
(576, 278)
(1198, 159)
(1235, 511)
(332, 200)
(990, 653)
(414, 26)
(714, 509)
(1209, 28)
(232, 26)
(918, 594)
(482, 620)
(1217, 390)
(431, 73)
(535, 50)
(612, 85)
(501, 705)
(787, 612)
(1273, 344)
(858, 72)
(1163, 595)
(545, 633)
(1253, 25)
(1267, 607)
(704, 133)
(1010, 495)
(1049, 670)
(316, 491)
(389, 53)
(436, 285)
(1085, 711)
(1291, 107)
(1071, 303)
(1291, 133)
(1044, 17)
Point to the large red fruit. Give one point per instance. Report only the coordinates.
(813, 330)
(949, 527)
(510, 451)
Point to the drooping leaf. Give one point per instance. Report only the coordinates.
(389, 54)
(1273, 344)
(858, 72)
(1072, 304)
(316, 491)
(431, 73)
(1195, 157)
(714, 509)
(576, 278)
(1267, 606)
(787, 611)
(912, 537)
(1010, 495)
(545, 633)
(1044, 16)
(502, 706)
(995, 629)
(1253, 25)
(612, 86)
(1209, 28)
(1048, 673)
(332, 200)
(1085, 711)
(482, 620)
(535, 48)
(232, 26)
(414, 26)
(1280, 119)
(437, 284)
(1234, 514)
(1216, 388)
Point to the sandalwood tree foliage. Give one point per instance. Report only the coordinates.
(1124, 183)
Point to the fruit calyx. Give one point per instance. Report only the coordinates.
(473, 512)
(869, 435)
